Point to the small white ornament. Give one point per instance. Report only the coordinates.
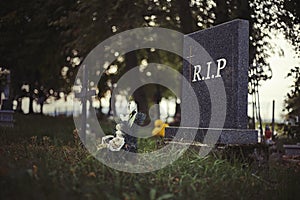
(116, 144)
(106, 139)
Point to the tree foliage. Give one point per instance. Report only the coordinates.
(293, 97)
(30, 47)
(44, 42)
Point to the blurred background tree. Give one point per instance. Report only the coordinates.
(293, 97)
(292, 33)
(44, 42)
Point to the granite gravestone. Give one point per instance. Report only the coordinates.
(6, 111)
(225, 67)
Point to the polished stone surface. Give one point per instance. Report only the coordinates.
(230, 42)
(216, 67)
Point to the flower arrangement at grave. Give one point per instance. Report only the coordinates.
(123, 134)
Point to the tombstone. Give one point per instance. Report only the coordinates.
(292, 150)
(6, 103)
(6, 112)
(228, 50)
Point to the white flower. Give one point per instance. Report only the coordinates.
(119, 134)
(119, 127)
(106, 139)
(116, 144)
(124, 118)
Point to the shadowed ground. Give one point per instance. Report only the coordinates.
(52, 166)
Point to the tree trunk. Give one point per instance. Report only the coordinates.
(221, 12)
(42, 108)
(158, 98)
(30, 101)
(140, 98)
(244, 10)
(100, 113)
(186, 18)
(139, 95)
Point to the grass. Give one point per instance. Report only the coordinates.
(51, 166)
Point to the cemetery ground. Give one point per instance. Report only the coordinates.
(40, 160)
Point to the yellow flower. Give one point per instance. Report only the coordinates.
(159, 128)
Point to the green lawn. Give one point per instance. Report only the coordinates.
(51, 166)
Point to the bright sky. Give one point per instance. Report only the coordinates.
(277, 88)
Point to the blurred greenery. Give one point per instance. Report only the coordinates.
(44, 42)
(292, 102)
